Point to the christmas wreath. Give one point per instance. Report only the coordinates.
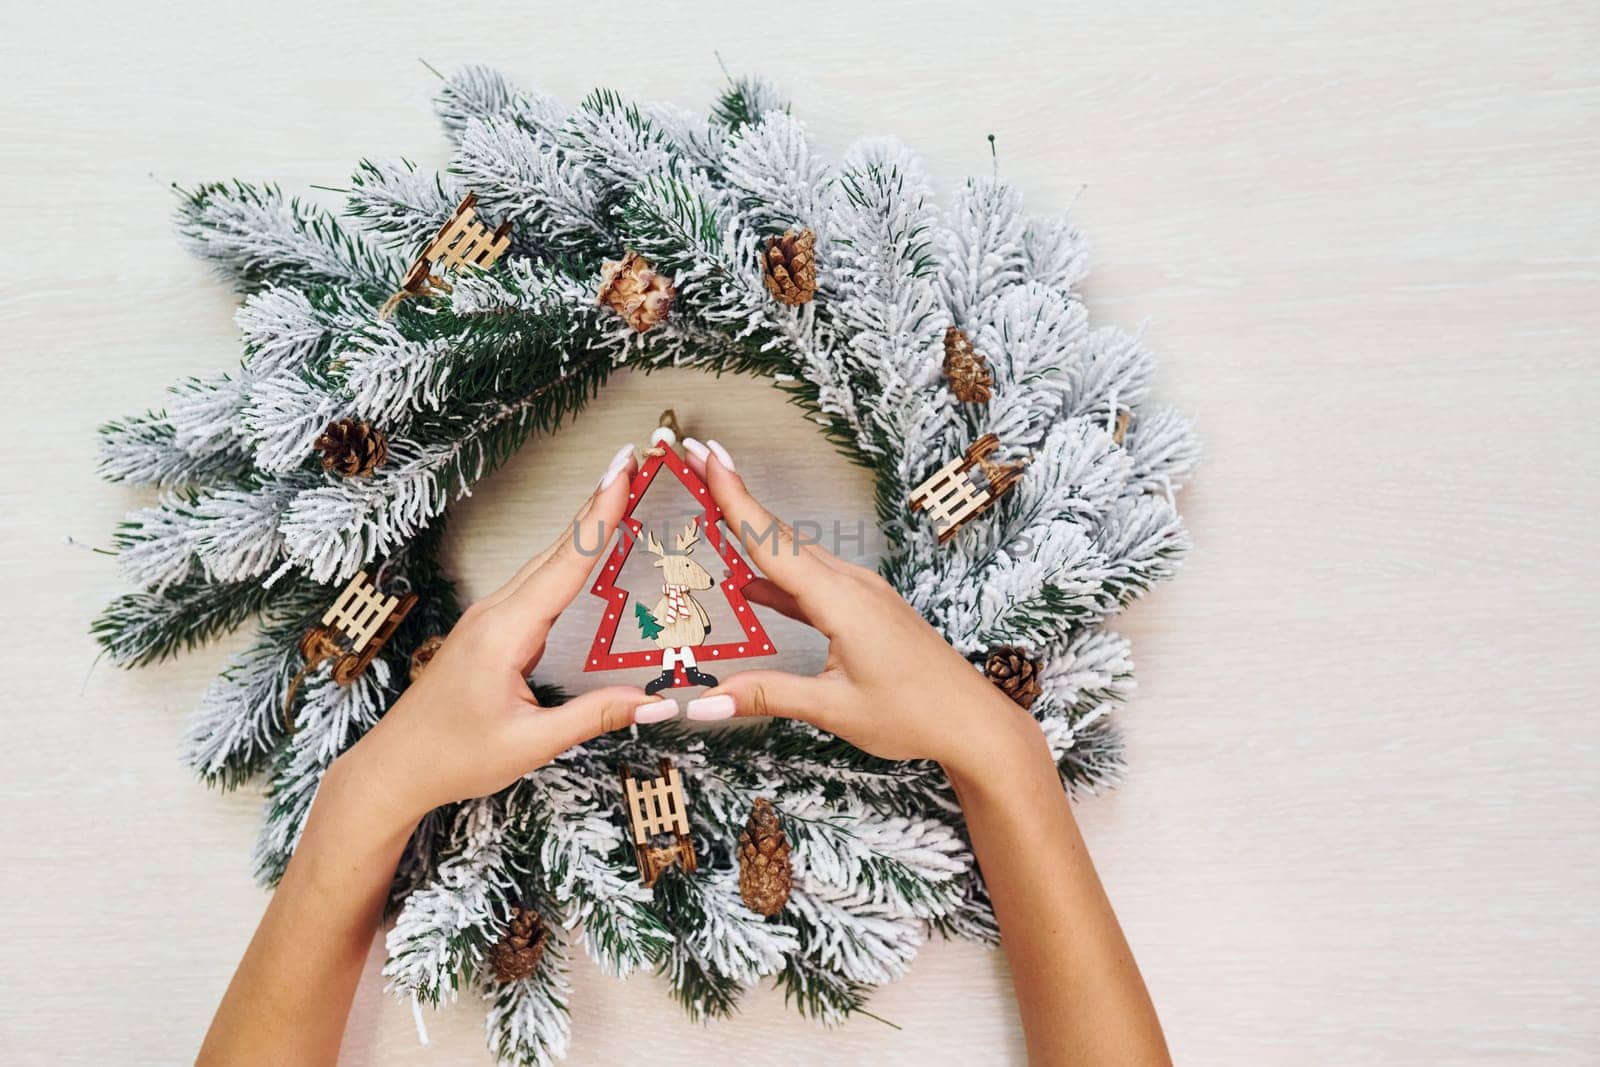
(393, 358)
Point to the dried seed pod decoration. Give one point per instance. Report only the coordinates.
(789, 267)
(518, 952)
(631, 287)
(1014, 673)
(352, 448)
(765, 876)
(965, 368)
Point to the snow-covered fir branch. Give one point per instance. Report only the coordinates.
(551, 197)
(615, 140)
(782, 183)
(1164, 449)
(155, 546)
(482, 93)
(329, 718)
(889, 311)
(985, 250)
(144, 450)
(148, 625)
(746, 100)
(257, 237)
(572, 831)
(1055, 253)
(911, 866)
(287, 330)
(445, 928)
(1042, 335)
(332, 530)
(241, 719)
(528, 1022)
(402, 203)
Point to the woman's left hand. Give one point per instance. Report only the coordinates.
(470, 725)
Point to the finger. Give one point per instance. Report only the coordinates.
(766, 541)
(698, 456)
(816, 700)
(625, 463)
(537, 561)
(766, 593)
(546, 592)
(695, 454)
(551, 731)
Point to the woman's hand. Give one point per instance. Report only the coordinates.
(891, 685)
(470, 725)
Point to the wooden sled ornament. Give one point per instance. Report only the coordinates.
(353, 631)
(462, 241)
(656, 808)
(956, 493)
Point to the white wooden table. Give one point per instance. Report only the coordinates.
(1360, 821)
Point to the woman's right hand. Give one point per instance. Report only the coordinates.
(894, 688)
(891, 685)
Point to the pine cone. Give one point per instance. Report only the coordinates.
(632, 288)
(352, 447)
(964, 367)
(764, 875)
(423, 655)
(1016, 675)
(790, 267)
(517, 954)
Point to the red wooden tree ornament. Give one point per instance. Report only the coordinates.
(752, 639)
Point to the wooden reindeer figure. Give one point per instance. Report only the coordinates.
(682, 620)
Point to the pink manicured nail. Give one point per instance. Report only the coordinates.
(656, 711)
(707, 708)
(619, 463)
(695, 449)
(722, 455)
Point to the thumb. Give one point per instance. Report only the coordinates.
(819, 701)
(551, 731)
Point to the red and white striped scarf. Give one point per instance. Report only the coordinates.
(677, 602)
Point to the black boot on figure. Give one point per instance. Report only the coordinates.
(699, 677)
(661, 683)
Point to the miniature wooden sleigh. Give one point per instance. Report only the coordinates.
(357, 626)
(656, 807)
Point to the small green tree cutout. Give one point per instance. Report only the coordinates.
(648, 626)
